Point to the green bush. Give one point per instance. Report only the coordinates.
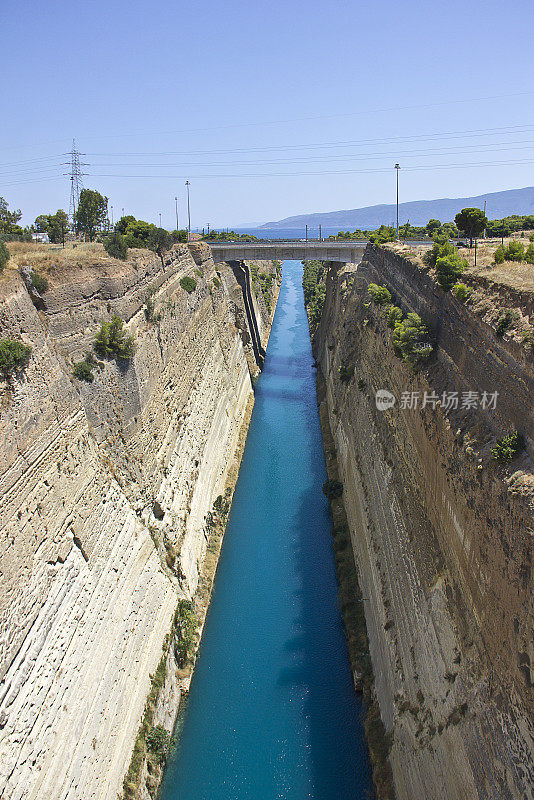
(410, 340)
(505, 322)
(216, 282)
(332, 489)
(499, 255)
(184, 628)
(111, 340)
(116, 246)
(188, 283)
(515, 251)
(529, 255)
(448, 270)
(83, 370)
(157, 742)
(380, 294)
(39, 282)
(345, 373)
(4, 255)
(441, 248)
(14, 356)
(461, 292)
(392, 314)
(507, 448)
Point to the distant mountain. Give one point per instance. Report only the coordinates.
(418, 212)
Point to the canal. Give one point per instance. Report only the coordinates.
(272, 711)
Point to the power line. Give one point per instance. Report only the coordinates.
(425, 167)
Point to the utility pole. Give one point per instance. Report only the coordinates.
(188, 213)
(397, 167)
(320, 233)
(484, 215)
(160, 219)
(76, 182)
(176, 209)
(306, 233)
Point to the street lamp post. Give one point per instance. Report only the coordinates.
(176, 208)
(160, 219)
(397, 167)
(188, 213)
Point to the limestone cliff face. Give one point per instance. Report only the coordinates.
(442, 535)
(104, 489)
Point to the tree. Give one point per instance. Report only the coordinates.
(472, 222)
(160, 241)
(41, 223)
(57, 226)
(9, 219)
(111, 340)
(92, 212)
(123, 223)
(432, 227)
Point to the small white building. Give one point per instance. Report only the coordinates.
(40, 237)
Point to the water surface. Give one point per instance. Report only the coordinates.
(272, 712)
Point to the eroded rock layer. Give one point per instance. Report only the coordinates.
(104, 491)
(442, 534)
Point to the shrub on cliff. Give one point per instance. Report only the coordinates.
(188, 283)
(332, 489)
(380, 294)
(529, 255)
(184, 627)
(461, 292)
(39, 282)
(448, 270)
(111, 340)
(14, 356)
(4, 255)
(83, 370)
(345, 373)
(116, 247)
(507, 448)
(441, 247)
(410, 340)
(157, 742)
(392, 314)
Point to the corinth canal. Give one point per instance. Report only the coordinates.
(272, 712)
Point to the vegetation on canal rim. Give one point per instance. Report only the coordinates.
(313, 283)
(410, 335)
(262, 283)
(83, 370)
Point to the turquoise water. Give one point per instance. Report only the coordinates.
(272, 712)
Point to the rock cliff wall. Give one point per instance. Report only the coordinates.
(442, 534)
(104, 491)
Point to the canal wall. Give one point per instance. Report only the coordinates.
(105, 491)
(441, 533)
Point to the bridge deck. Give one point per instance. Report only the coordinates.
(349, 252)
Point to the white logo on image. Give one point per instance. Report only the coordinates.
(384, 399)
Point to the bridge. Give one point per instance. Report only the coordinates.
(279, 250)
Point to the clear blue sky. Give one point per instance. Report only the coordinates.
(133, 80)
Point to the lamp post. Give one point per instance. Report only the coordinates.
(160, 219)
(176, 208)
(188, 213)
(397, 167)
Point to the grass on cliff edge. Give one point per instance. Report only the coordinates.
(52, 259)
